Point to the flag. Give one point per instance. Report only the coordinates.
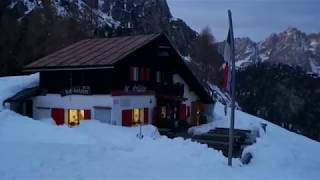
(227, 64)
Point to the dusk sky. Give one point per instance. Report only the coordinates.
(256, 19)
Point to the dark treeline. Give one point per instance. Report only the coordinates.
(284, 95)
(25, 38)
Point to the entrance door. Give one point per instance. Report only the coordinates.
(103, 115)
(196, 111)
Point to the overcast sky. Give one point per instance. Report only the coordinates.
(256, 19)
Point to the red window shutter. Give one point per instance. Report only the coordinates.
(142, 74)
(127, 117)
(87, 114)
(57, 115)
(131, 73)
(146, 115)
(182, 112)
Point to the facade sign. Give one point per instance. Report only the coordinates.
(139, 88)
(81, 90)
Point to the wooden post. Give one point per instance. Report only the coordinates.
(233, 81)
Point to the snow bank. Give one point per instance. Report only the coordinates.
(33, 149)
(222, 120)
(9, 86)
(278, 153)
(15, 128)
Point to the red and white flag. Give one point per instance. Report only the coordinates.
(227, 64)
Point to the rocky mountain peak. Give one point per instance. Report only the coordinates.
(292, 30)
(292, 47)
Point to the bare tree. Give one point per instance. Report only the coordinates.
(205, 55)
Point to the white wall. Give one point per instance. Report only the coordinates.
(68, 102)
(117, 103)
(130, 102)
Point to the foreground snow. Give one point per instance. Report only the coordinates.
(36, 149)
(31, 149)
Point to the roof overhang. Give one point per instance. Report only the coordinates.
(66, 68)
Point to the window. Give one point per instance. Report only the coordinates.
(76, 115)
(139, 115)
(134, 74)
(139, 74)
(158, 76)
(135, 116)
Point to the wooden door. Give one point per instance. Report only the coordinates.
(196, 110)
(183, 112)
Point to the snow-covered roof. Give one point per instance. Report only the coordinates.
(9, 86)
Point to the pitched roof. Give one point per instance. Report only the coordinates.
(93, 52)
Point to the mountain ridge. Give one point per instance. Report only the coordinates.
(291, 47)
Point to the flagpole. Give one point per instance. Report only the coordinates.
(233, 82)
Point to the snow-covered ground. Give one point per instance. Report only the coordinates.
(32, 149)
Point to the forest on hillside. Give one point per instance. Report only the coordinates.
(284, 95)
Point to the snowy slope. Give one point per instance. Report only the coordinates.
(33, 149)
(278, 153)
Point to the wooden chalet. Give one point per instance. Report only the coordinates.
(121, 81)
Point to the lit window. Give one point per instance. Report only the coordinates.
(76, 115)
(136, 115)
